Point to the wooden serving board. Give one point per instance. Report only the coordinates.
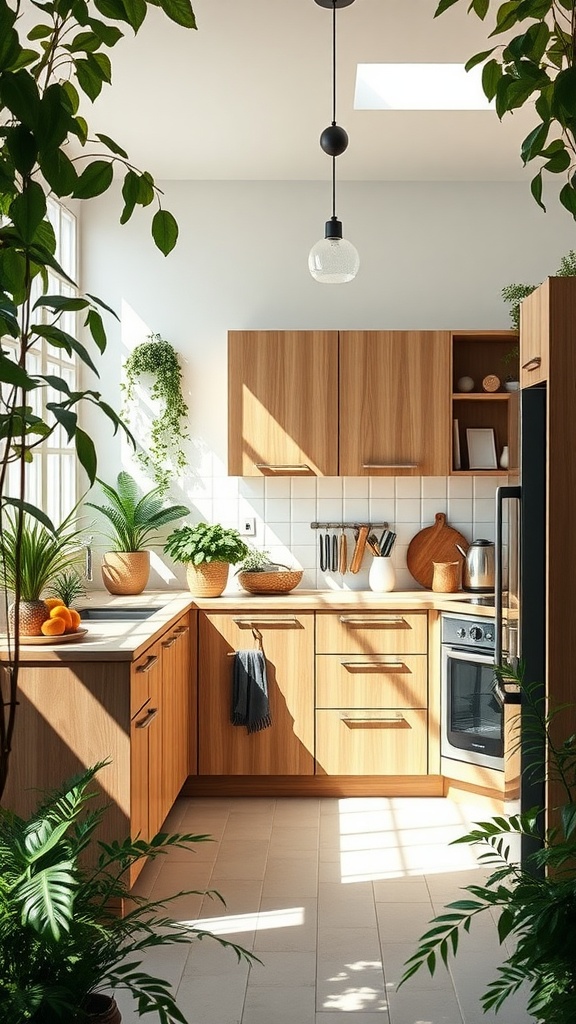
(433, 544)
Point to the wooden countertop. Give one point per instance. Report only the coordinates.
(126, 641)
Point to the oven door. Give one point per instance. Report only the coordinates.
(471, 711)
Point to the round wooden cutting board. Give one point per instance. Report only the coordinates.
(433, 544)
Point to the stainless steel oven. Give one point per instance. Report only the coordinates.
(472, 715)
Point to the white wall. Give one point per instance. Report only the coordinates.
(433, 255)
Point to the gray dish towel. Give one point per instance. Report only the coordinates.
(250, 705)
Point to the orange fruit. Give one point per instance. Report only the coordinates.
(61, 612)
(54, 626)
(52, 602)
(75, 616)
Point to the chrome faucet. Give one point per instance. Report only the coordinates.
(88, 558)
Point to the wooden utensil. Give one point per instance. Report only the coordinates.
(343, 554)
(435, 543)
(359, 549)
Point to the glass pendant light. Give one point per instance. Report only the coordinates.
(333, 260)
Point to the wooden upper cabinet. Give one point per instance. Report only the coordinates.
(548, 311)
(283, 403)
(394, 397)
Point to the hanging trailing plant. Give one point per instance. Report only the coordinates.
(164, 455)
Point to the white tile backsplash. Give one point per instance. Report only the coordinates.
(284, 508)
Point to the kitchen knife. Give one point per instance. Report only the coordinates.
(359, 549)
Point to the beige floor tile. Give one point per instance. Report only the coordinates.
(290, 877)
(433, 1006)
(176, 877)
(288, 838)
(241, 858)
(280, 1005)
(402, 890)
(331, 1017)
(215, 999)
(346, 905)
(241, 896)
(394, 957)
(349, 944)
(285, 925)
(297, 812)
(402, 922)
(282, 969)
(351, 986)
(253, 805)
(248, 826)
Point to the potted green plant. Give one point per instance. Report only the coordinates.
(135, 518)
(259, 575)
(206, 550)
(536, 899)
(31, 556)
(157, 358)
(64, 949)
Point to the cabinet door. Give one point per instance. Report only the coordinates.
(535, 336)
(150, 667)
(372, 742)
(177, 720)
(287, 746)
(283, 403)
(394, 403)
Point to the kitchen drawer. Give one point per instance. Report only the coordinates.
(142, 672)
(371, 681)
(372, 633)
(374, 742)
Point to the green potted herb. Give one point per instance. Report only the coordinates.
(64, 949)
(135, 519)
(43, 555)
(206, 550)
(535, 900)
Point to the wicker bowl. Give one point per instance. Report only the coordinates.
(270, 582)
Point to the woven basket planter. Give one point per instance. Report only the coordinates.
(125, 572)
(270, 582)
(102, 1009)
(31, 616)
(208, 579)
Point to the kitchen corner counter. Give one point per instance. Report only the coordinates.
(126, 641)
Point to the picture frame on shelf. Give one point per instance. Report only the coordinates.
(481, 448)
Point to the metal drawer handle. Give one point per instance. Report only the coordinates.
(181, 630)
(251, 623)
(532, 364)
(390, 465)
(298, 467)
(397, 666)
(391, 720)
(170, 642)
(150, 662)
(373, 620)
(146, 722)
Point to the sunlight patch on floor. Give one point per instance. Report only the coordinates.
(260, 921)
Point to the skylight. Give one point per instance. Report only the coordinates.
(419, 87)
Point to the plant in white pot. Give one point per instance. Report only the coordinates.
(206, 549)
(135, 519)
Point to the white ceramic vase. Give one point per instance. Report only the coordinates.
(382, 575)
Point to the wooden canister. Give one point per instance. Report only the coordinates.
(446, 578)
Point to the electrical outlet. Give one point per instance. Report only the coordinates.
(248, 527)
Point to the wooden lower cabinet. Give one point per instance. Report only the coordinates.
(372, 693)
(136, 715)
(375, 741)
(287, 746)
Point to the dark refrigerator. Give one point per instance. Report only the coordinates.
(521, 590)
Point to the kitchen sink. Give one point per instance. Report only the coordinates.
(104, 614)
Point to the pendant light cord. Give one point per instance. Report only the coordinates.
(333, 103)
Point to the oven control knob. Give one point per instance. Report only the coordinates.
(488, 635)
(476, 632)
(461, 633)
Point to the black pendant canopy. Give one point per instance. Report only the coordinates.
(334, 3)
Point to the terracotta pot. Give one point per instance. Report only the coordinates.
(125, 572)
(31, 615)
(208, 579)
(102, 1009)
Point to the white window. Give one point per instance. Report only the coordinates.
(51, 477)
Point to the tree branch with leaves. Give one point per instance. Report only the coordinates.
(536, 67)
(43, 142)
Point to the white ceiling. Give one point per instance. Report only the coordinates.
(247, 95)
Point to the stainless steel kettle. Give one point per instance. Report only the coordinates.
(478, 569)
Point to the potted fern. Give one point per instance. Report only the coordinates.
(64, 950)
(207, 550)
(135, 518)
